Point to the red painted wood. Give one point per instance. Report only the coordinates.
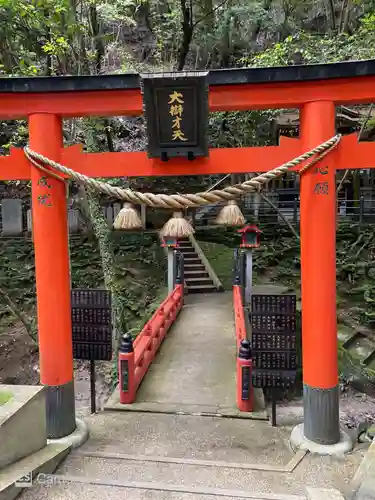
(50, 234)
(350, 154)
(148, 341)
(240, 329)
(356, 90)
(318, 253)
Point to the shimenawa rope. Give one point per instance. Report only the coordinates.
(179, 201)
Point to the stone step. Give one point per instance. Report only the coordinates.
(73, 488)
(23, 474)
(193, 274)
(147, 456)
(187, 250)
(26, 406)
(203, 479)
(192, 281)
(202, 288)
(185, 245)
(194, 267)
(192, 260)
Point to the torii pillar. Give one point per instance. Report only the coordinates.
(50, 234)
(318, 268)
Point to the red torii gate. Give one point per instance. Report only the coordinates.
(316, 90)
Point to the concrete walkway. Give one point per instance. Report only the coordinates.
(145, 456)
(154, 452)
(195, 369)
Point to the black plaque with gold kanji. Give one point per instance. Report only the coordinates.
(175, 106)
(274, 349)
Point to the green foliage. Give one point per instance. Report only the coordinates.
(278, 259)
(221, 260)
(307, 48)
(241, 129)
(139, 271)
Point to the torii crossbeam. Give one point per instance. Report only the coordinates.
(316, 90)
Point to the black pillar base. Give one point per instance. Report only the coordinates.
(60, 408)
(321, 414)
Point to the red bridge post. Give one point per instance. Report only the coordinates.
(126, 370)
(245, 393)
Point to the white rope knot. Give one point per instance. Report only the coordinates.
(180, 201)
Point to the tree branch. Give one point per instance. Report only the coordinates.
(16, 311)
(210, 13)
(272, 205)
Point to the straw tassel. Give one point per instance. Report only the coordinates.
(127, 218)
(230, 215)
(177, 227)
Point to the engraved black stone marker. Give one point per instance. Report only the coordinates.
(273, 321)
(92, 330)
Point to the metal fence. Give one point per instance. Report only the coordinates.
(360, 211)
(16, 220)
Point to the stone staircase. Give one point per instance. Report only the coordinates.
(146, 456)
(197, 276)
(24, 448)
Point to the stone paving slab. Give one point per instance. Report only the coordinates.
(189, 437)
(183, 409)
(77, 491)
(193, 440)
(216, 439)
(362, 487)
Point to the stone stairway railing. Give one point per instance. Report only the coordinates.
(213, 276)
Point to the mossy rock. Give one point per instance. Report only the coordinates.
(5, 396)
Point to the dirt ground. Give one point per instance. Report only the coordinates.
(19, 364)
(19, 360)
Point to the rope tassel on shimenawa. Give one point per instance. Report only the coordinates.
(230, 215)
(177, 227)
(127, 218)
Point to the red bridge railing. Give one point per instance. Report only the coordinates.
(244, 389)
(239, 315)
(136, 357)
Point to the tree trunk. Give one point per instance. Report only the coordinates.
(345, 15)
(208, 15)
(100, 226)
(97, 37)
(80, 65)
(332, 14)
(266, 6)
(103, 236)
(48, 60)
(187, 32)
